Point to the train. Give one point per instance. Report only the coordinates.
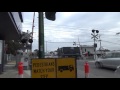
(69, 52)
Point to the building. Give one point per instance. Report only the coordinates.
(87, 48)
(91, 50)
(75, 51)
(102, 52)
(10, 25)
(10, 29)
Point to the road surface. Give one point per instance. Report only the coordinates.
(95, 72)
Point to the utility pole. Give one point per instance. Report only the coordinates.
(80, 49)
(41, 34)
(100, 45)
(95, 36)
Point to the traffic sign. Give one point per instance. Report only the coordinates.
(66, 68)
(43, 68)
(54, 68)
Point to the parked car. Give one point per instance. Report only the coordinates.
(109, 60)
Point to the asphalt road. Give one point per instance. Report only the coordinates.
(95, 72)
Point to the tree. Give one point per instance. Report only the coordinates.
(13, 46)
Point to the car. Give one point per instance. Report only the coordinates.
(109, 60)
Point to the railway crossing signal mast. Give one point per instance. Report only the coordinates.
(95, 37)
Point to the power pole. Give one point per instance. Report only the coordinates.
(100, 45)
(95, 34)
(41, 35)
(80, 49)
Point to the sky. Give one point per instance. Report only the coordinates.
(69, 26)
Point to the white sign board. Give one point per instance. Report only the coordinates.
(25, 59)
(25, 62)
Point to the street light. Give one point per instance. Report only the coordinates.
(95, 37)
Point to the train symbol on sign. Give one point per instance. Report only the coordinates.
(62, 68)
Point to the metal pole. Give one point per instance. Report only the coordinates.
(41, 35)
(80, 48)
(94, 45)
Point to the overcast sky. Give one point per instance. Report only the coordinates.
(68, 26)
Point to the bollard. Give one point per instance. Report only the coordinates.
(20, 70)
(86, 69)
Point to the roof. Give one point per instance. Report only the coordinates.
(114, 51)
(87, 46)
(81, 46)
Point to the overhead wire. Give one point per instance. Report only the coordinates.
(69, 42)
(110, 42)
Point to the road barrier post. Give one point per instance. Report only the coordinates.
(86, 69)
(20, 70)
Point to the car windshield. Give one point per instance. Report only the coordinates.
(108, 55)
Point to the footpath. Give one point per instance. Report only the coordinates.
(10, 71)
